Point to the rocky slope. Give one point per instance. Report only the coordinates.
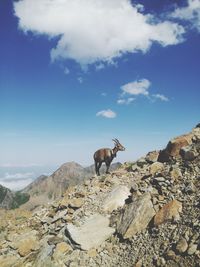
(47, 188)
(10, 199)
(147, 213)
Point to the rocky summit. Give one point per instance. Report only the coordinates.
(146, 213)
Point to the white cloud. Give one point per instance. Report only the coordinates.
(16, 185)
(100, 66)
(16, 181)
(107, 113)
(190, 13)
(161, 97)
(95, 31)
(12, 165)
(66, 71)
(103, 94)
(80, 79)
(137, 87)
(17, 176)
(125, 101)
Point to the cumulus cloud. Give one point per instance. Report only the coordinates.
(95, 31)
(107, 114)
(136, 88)
(161, 97)
(139, 87)
(190, 13)
(125, 101)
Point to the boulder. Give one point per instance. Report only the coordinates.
(156, 167)
(152, 157)
(188, 153)
(174, 146)
(116, 198)
(182, 245)
(25, 243)
(76, 203)
(135, 216)
(91, 234)
(175, 173)
(192, 249)
(168, 212)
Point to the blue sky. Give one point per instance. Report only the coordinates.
(75, 74)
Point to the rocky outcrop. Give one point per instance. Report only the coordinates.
(91, 234)
(170, 211)
(116, 198)
(46, 189)
(144, 214)
(174, 146)
(135, 216)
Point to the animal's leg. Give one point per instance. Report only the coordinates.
(107, 166)
(98, 173)
(96, 168)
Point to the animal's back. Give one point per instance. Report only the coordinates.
(102, 153)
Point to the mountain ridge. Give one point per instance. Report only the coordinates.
(146, 213)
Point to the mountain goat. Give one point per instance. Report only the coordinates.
(106, 155)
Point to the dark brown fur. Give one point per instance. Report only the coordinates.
(106, 155)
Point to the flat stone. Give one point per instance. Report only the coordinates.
(168, 212)
(59, 215)
(76, 203)
(91, 234)
(160, 179)
(135, 216)
(116, 198)
(25, 243)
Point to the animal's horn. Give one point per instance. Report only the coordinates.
(115, 140)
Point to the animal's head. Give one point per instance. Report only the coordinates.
(118, 145)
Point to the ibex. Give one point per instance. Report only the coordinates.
(106, 155)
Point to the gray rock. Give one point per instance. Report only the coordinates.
(192, 249)
(160, 179)
(116, 198)
(152, 157)
(91, 234)
(182, 245)
(135, 216)
(141, 162)
(188, 153)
